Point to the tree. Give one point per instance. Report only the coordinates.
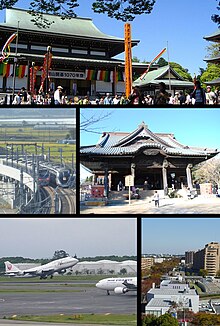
(183, 72)
(167, 320)
(149, 320)
(212, 72)
(203, 319)
(60, 254)
(215, 17)
(213, 50)
(124, 10)
(163, 320)
(203, 272)
(123, 271)
(135, 59)
(162, 62)
(208, 171)
(88, 121)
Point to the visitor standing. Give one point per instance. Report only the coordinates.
(107, 99)
(58, 95)
(156, 198)
(210, 96)
(199, 94)
(161, 96)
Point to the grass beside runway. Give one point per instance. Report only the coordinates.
(106, 319)
(57, 278)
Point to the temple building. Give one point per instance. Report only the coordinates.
(215, 37)
(82, 56)
(150, 82)
(156, 160)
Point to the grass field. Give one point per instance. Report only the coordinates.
(23, 135)
(58, 278)
(55, 150)
(107, 319)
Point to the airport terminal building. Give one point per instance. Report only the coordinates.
(82, 56)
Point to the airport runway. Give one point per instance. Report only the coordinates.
(29, 323)
(55, 298)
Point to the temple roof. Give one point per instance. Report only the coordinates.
(154, 77)
(121, 143)
(82, 27)
(215, 37)
(213, 82)
(213, 59)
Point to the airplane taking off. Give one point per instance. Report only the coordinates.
(118, 285)
(43, 271)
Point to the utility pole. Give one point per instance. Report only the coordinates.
(21, 191)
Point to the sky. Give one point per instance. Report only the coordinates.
(41, 237)
(192, 127)
(177, 235)
(182, 24)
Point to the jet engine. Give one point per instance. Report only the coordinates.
(62, 271)
(120, 290)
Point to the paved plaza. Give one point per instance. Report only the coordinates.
(198, 205)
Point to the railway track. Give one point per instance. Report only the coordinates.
(68, 200)
(51, 193)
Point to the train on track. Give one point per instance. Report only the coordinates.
(49, 174)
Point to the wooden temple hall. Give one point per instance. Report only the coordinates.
(82, 56)
(156, 160)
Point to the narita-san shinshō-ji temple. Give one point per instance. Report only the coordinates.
(156, 157)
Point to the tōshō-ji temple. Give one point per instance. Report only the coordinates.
(157, 159)
(82, 56)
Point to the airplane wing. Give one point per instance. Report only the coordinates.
(130, 286)
(40, 273)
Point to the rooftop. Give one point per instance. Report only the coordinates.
(82, 27)
(125, 143)
(154, 77)
(168, 291)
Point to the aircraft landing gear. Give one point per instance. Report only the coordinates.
(108, 293)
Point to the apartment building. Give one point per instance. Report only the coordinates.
(208, 258)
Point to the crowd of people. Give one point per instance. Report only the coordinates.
(199, 96)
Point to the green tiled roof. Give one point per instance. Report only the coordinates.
(156, 76)
(81, 27)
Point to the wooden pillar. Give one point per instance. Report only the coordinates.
(94, 179)
(133, 166)
(189, 176)
(106, 183)
(109, 181)
(164, 174)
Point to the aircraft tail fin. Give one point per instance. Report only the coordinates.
(10, 268)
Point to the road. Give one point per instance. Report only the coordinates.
(29, 323)
(55, 298)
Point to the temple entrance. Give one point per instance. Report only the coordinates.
(149, 180)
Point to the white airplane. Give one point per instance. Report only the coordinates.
(43, 271)
(118, 285)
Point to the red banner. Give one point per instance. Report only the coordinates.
(33, 75)
(46, 67)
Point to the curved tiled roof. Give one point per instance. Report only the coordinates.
(119, 144)
(158, 75)
(82, 27)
